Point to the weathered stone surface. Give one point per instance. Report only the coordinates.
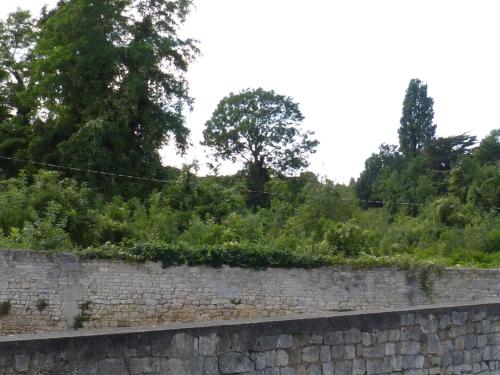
(172, 367)
(123, 294)
(21, 362)
(211, 366)
(235, 363)
(298, 370)
(112, 366)
(325, 354)
(434, 345)
(327, 368)
(182, 346)
(368, 344)
(284, 341)
(144, 365)
(458, 339)
(310, 354)
(378, 366)
(359, 367)
(314, 369)
(207, 345)
(343, 367)
(410, 347)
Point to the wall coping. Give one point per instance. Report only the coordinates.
(276, 321)
(69, 256)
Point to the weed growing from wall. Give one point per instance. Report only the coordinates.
(425, 274)
(5, 308)
(41, 304)
(83, 316)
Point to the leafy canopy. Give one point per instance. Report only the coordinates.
(417, 128)
(488, 151)
(109, 75)
(261, 128)
(443, 152)
(17, 39)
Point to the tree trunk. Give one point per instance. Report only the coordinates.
(257, 177)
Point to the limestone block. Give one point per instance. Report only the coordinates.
(310, 354)
(234, 362)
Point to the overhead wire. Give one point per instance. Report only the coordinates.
(83, 170)
(105, 173)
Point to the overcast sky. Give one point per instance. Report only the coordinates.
(348, 64)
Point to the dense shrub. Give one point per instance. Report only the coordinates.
(309, 224)
(346, 239)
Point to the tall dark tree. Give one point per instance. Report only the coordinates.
(261, 129)
(110, 75)
(17, 39)
(417, 128)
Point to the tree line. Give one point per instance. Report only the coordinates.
(98, 86)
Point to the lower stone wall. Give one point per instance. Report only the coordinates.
(45, 291)
(436, 340)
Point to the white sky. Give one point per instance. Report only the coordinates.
(348, 64)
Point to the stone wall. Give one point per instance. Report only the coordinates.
(440, 340)
(126, 294)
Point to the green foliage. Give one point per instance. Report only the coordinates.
(48, 233)
(450, 212)
(443, 152)
(425, 279)
(17, 39)
(100, 85)
(484, 191)
(462, 176)
(105, 74)
(417, 128)
(310, 223)
(488, 151)
(247, 257)
(234, 255)
(434, 198)
(5, 308)
(259, 126)
(261, 129)
(346, 239)
(83, 316)
(317, 205)
(49, 214)
(42, 304)
(492, 241)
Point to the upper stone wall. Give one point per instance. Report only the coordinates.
(126, 294)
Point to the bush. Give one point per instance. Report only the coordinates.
(234, 255)
(492, 241)
(346, 239)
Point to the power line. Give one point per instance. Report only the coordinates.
(84, 170)
(379, 202)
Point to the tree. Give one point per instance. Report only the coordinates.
(377, 167)
(110, 75)
(417, 128)
(261, 129)
(17, 39)
(443, 152)
(488, 151)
